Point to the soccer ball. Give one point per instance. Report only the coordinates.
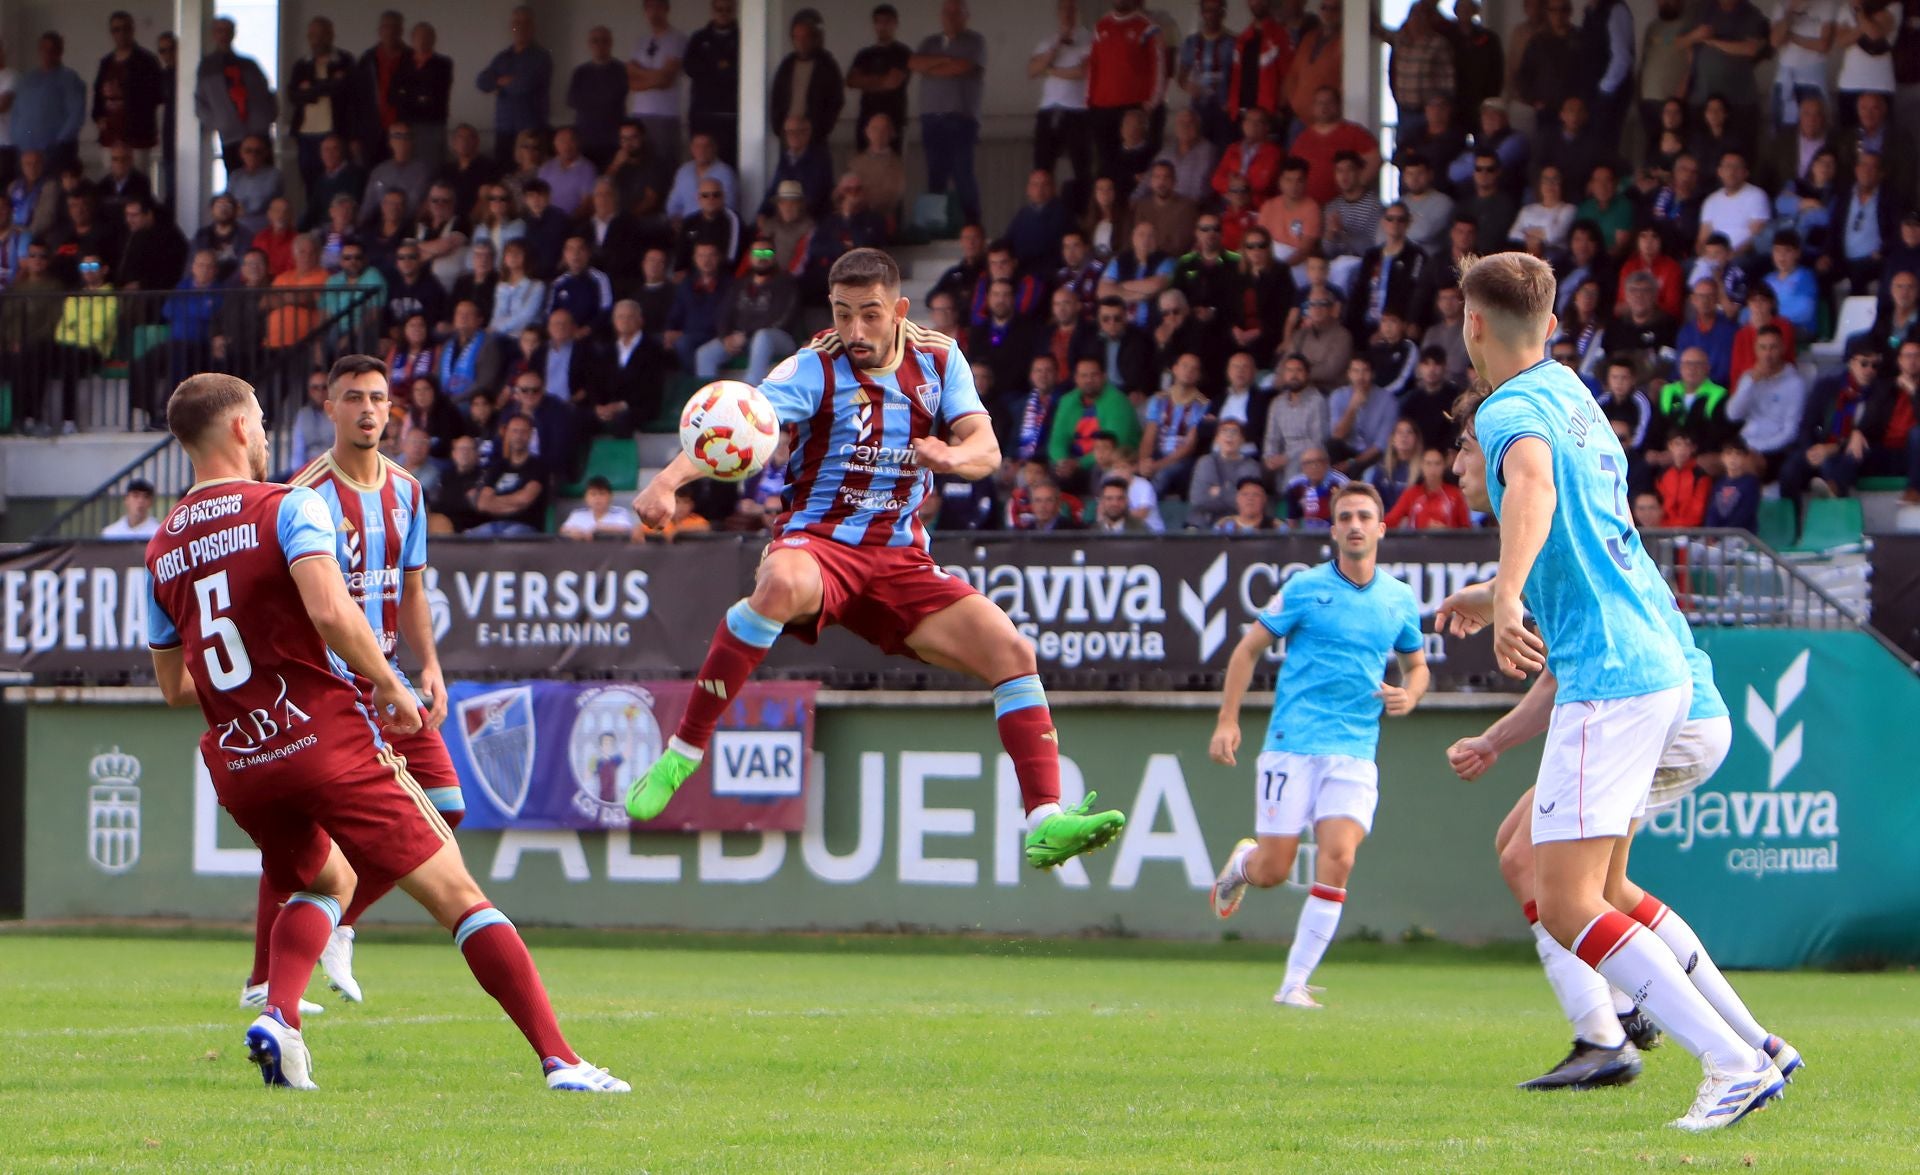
(728, 430)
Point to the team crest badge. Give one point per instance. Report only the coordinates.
(786, 369)
(928, 396)
(614, 735)
(499, 733)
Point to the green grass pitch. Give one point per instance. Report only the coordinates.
(842, 1055)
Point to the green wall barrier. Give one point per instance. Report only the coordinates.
(1800, 851)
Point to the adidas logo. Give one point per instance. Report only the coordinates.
(717, 688)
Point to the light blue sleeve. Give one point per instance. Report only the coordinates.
(1112, 272)
(1279, 616)
(306, 525)
(1164, 269)
(1410, 640)
(958, 395)
(413, 549)
(1500, 423)
(161, 633)
(795, 387)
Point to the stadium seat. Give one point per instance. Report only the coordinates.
(1173, 512)
(614, 458)
(680, 386)
(1856, 315)
(1866, 485)
(1831, 524)
(1778, 523)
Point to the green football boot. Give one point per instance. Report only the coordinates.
(650, 794)
(1069, 832)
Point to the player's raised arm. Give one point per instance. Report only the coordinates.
(1256, 640)
(344, 627)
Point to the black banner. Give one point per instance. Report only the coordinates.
(1102, 612)
(1896, 589)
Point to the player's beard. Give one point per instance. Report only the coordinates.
(257, 457)
(362, 439)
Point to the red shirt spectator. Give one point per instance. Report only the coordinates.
(1319, 144)
(1684, 494)
(1266, 44)
(1124, 65)
(1431, 503)
(1743, 341)
(1666, 271)
(1262, 169)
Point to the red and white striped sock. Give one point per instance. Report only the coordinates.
(1319, 919)
(1643, 967)
(1582, 993)
(1673, 930)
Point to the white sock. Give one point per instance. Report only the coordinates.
(1041, 813)
(1673, 930)
(1641, 965)
(1622, 1002)
(1581, 992)
(688, 749)
(1319, 918)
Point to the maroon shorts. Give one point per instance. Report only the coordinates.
(377, 813)
(879, 594)
(424, 754)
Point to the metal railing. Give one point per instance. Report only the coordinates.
(107, 360)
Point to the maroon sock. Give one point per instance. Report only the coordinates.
(730, 661)
(300, 933)
(499, 960)
(1031, 743)
(369, 892)
(266, 909)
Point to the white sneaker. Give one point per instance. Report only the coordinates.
(581, 1077)
(336, 959)
(1725, 1098)
(1231, 885)
(1297, 996)
(256, 997)
(1786, 1058)
(280, 1052)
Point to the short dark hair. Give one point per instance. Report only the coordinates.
(1360, 489)
(140, 485)
(999, 245)
(536, 185)
(348, 366)
(865, 267)
(1293, 163)
(1465, 407)
(1352, 157)
(202, 401)
(880, 10)
(1115, 483)
(1111, 301)
(1787, 236)
(1614, 361)
(1250, 480)
(596, 482)
(1433, 354)
(1769, 329)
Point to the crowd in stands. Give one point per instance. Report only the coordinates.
(1202, 297)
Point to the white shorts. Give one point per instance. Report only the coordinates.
(1599, 762)
(1299, 791)
(1695, 754)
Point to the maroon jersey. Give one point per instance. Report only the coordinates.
(276, 699)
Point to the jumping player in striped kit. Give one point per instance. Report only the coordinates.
(1556, 477)
(249, 616)
(876, 406)
(380, 516)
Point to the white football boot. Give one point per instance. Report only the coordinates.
(1725, 1098)
(1786, 1058)
(336, 959)
(256, 997)
(1298, 996)
(1231, 885)
(581, 1077)
(280, 1052)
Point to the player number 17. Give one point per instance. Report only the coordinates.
(232, 669)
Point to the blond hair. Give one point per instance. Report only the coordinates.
(1514, 291)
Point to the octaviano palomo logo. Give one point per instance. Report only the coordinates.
(1765, 722)
(1196, 607)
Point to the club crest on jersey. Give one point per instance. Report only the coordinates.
(498, 730)
(928, 395)
(399, 516)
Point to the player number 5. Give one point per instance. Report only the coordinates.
(216, 597)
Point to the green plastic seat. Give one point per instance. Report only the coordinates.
(1173, 512)
(1830, 523)
(1880, 485)
(1778, 524)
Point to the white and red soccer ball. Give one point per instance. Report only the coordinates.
(728, 429)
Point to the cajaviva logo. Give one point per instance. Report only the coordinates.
(1783, 749)
(1196, 607)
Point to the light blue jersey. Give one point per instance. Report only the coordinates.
(1339, 636)
(1707, 702)
(1596, 594)
(854, 476)
(382, 536)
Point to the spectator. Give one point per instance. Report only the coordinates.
(1171, 214)
(1429, 397)
(629, 392)
(1244, 402)
(807, 162)
(390, 228)
(1325, 138)
(1608, 211)
(1322, 341)
(1174, 419)
(881, 172)
(1709, 331)
(231, 96)
(1221, 467)
(1001, 266)
(1865, 33)
(1399, 466)
(1738, 210)
(547, 229)
(1212, 281)
(569, 174)
(1549, 66)
(653, 77)
(1432, 211)
(1542, 227)
(1899, 316)
(1788, 157)
(372, 104)
(275, 237)
(521, 79)
(615, 239)
(880, 72)
(410, 356)
(1585, 261)
(1022, 416)
(1693, 403)
(1292, 218)
(962, 277)
(1108, 223)
(1872, 134)
(156, 253)
(599, 517)
(1448, 333)
(703, 165)
(1441, 142)
(1066, 330)
(467, 363)
(790, 228)
(1795, 287)
(1252, 510)
(430, 416)
(1045, 513)
(413, 290)
(459, 485)
(1432, 503)
(1363, 417)
(49, 108)
(1125, 72)
(1094, 405)
(712, 66)
(655, 289)
(1509, 148)
(82, 232)
(33, 200)
(1254, 157)
(479, 282)
(1266, 295)
(529, 152)
(1491, 207)
(1124, 352)
(1685, 489)
(1769, 401)
(1762, 311)
(1351, 222)
(1867, 215)
(238, 328)
(1257, 77)
(128, 91)
(1003, 339)
(1736, 493)
(1421, 65)
(808, 84)
(422, 94)
(755, 321)
(1308, 495)
(1177, 332)
(695, 317)
(312, 426)
(1316, 66)
(512, 494)
(944, 316)
(334, 176)
(88, 330)
(1885, 440)
(1641, 334)
(1649, 257)
(1626, 407)
(1575, 147)
(400, 172)
(1036, 230)
(565, 363)
(643, 181)
(138, 521)
(1391, 280)
(553, 411)
(1137, 276)
(1114, 514)
(1193, 157)
(597, 95)
(14, 242)
(1061, 127)
(355, 274)
(1135, 154)
(322, 94)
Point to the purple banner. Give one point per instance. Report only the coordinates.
(551, 754)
